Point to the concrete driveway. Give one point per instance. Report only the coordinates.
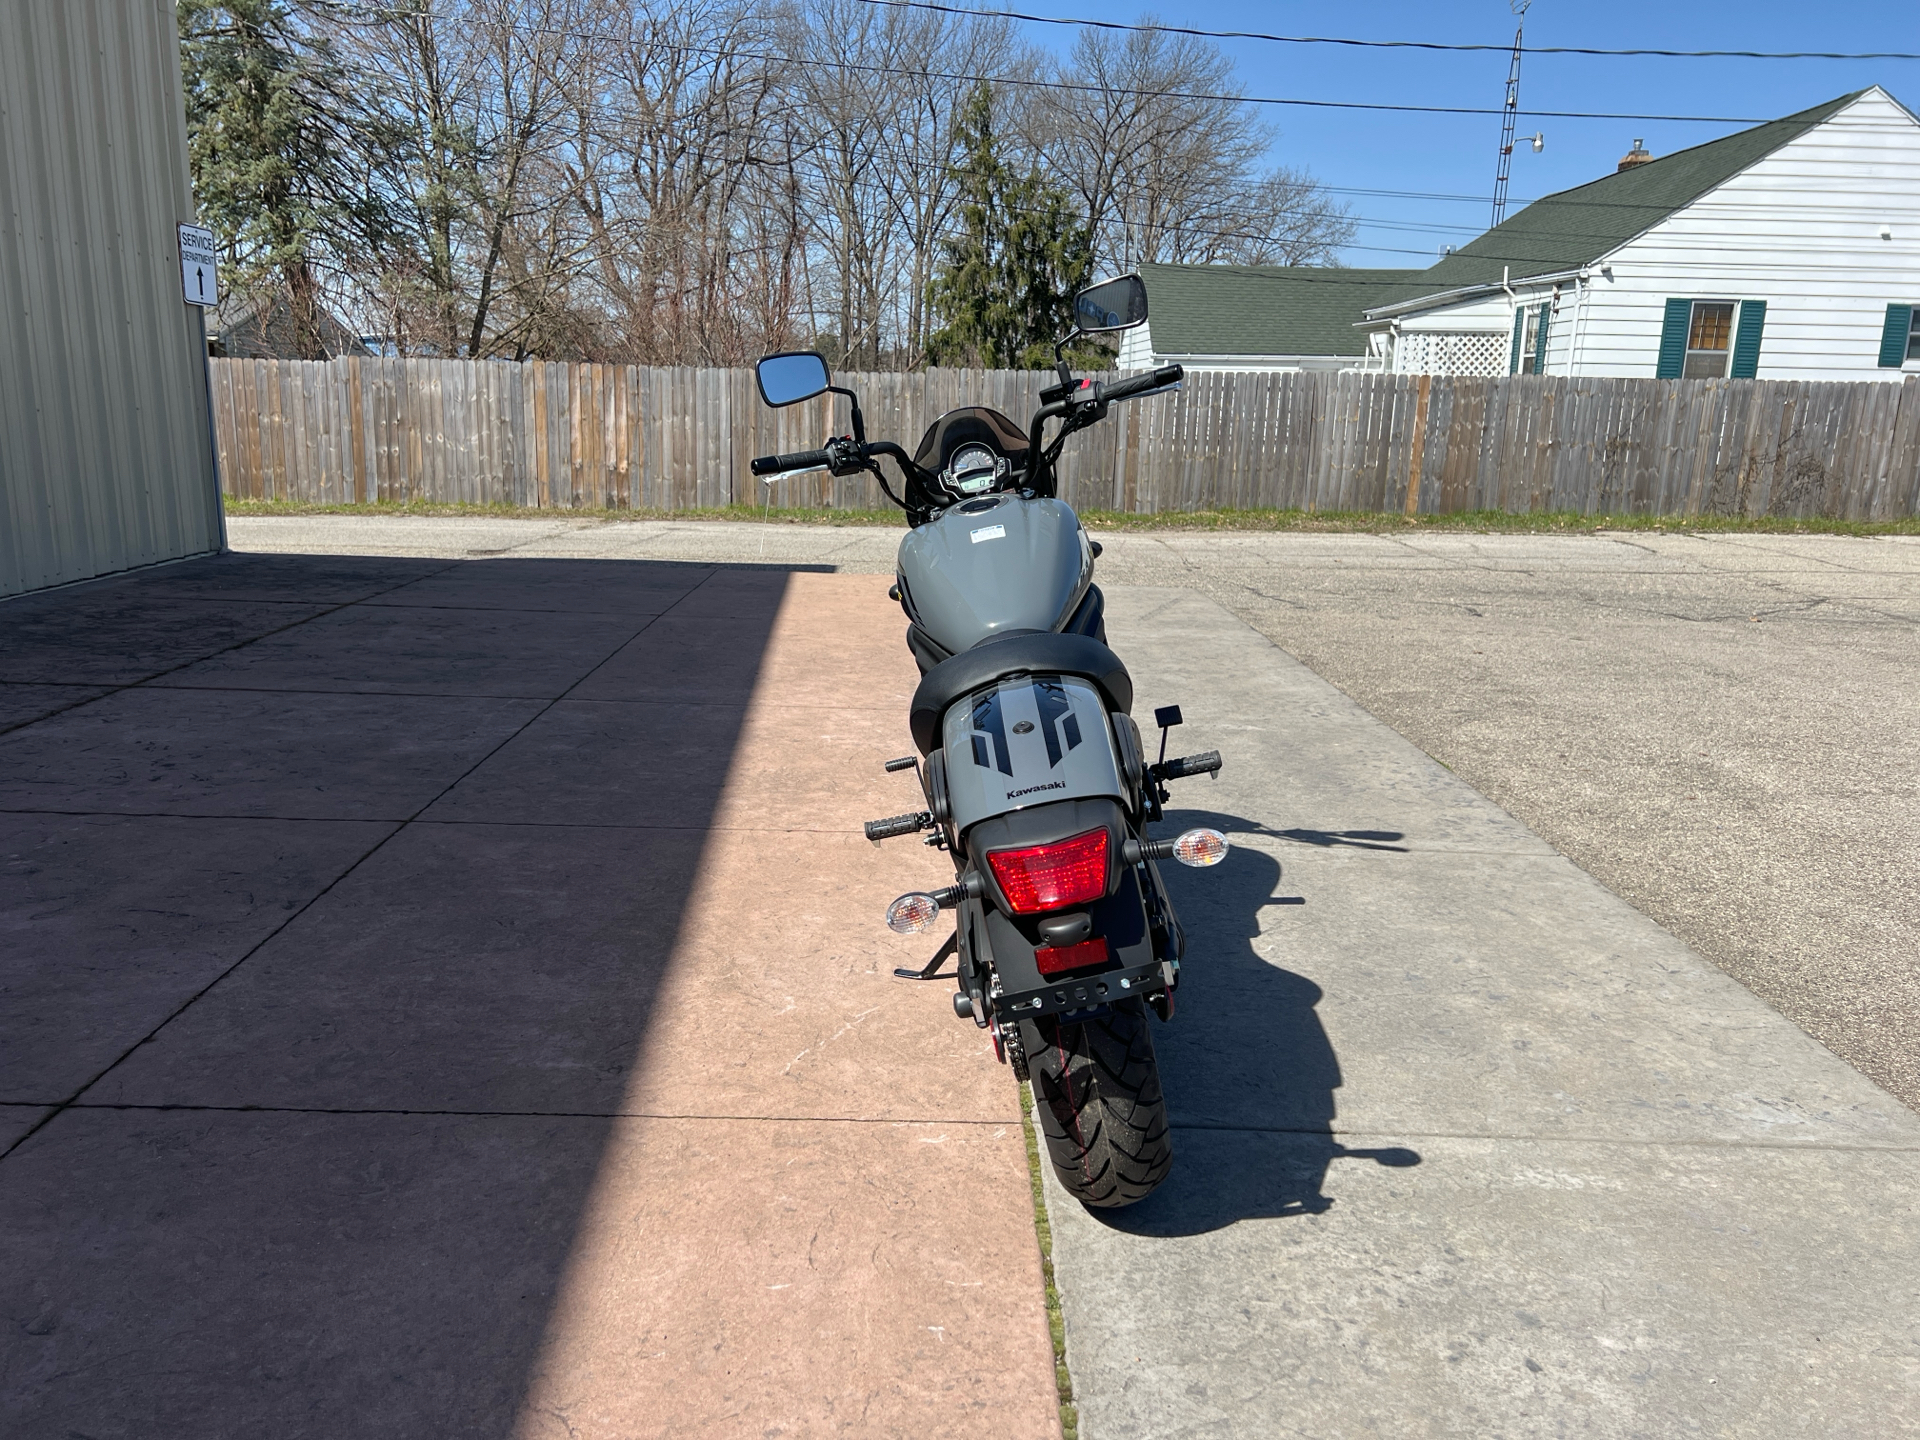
(1466, 1144)
(449, 999)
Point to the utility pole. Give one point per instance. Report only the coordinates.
(1509, 114)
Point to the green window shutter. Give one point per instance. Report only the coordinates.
(1893, 339)
(1540, 340)
(1746, 339)
(1513, 360)
(1673, 340)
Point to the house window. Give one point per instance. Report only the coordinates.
(1709, 340)
(1530, 356)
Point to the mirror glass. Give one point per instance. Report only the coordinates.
(788, 379)
(1112, 304)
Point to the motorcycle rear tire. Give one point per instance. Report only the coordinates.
(1096, 1090)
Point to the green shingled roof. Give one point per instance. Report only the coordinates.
(1311, 310)
(1576, 227)
(1267, 309)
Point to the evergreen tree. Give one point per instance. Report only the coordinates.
(270, 174)
(1004, 291)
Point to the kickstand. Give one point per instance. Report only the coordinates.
(950, 946)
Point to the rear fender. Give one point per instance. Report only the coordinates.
(1132, 967)
(1028, 742)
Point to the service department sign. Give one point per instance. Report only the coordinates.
(199, 279)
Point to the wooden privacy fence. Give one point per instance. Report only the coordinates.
(658, 438)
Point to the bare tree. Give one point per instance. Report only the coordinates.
(668, 139)
(694, 181)
(1166, 158)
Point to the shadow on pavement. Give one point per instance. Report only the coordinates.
(336, 1073)
(1248, 1070)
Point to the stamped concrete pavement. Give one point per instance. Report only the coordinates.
(449, 999)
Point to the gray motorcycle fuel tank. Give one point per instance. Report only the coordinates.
(995, 563)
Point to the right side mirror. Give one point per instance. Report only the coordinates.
(790, 378)
(1117, 304)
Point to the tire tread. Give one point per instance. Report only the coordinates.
(1096, 1090)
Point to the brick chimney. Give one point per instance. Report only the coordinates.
(1638, 155)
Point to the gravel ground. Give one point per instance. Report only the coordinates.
(1723, 730)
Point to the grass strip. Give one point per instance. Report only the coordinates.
(1363, 522)
(1487, 522)
(1056, 1322)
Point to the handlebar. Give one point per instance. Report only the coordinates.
(1140, 384)
(801, 460)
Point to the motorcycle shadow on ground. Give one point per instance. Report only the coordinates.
(1248, 1069)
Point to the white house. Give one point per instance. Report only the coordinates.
(1788, 251)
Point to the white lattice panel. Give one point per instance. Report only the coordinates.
(1452, 352)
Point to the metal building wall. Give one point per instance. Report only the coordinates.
(105, 460)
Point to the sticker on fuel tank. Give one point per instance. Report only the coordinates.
(989, 532)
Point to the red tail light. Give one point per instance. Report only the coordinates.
(1054, 959)
(1046, 877)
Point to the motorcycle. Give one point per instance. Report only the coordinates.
(1033, 771)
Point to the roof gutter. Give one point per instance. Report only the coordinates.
(1260, 358)
(1379, 313)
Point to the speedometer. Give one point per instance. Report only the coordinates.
(974, 468)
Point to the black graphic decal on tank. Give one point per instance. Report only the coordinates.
(1057, 719)
(987, 722)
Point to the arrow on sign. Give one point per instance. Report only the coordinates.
(200, 280)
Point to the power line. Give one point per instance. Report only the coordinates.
(1231, 99)
(1396, 44)
(814, 61)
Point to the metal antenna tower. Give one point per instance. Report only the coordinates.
(1509, 114)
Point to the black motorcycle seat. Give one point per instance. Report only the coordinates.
(1029, 652)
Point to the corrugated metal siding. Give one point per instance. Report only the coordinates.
(104, 456)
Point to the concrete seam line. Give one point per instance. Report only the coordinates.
(1043, 1233)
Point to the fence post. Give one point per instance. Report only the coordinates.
(1418, 447)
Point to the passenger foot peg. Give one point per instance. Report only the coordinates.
(878, 830)
(1206, 763)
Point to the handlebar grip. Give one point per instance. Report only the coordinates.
(1140, 384)
(804, 460)
(1204, 763)
(897, 825)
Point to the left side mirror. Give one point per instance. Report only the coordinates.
(788, 379)
(1111, 305)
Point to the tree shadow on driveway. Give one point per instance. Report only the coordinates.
(1247, 1067)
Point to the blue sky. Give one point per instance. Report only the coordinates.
(1455, 155)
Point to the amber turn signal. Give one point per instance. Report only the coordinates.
(913, 913)
(1200, 848)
